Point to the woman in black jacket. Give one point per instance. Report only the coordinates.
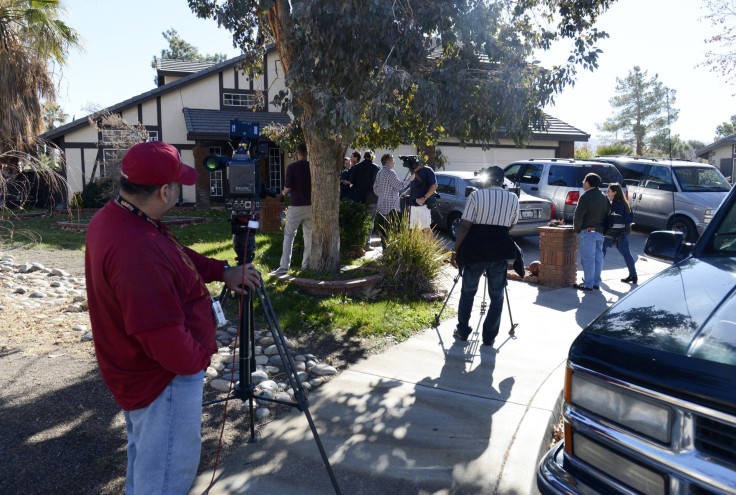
(619, 205)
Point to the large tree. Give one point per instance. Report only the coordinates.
(408, 71)
(722, 58)
(33, 42)
(180, 49)
(726, 128)
(644, 110)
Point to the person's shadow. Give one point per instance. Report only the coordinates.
(455, 411)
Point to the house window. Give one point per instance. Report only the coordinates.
(216, 183)
(216, 176)
(111, 159)
(117, 135)
(153, 135)
(250, 100)
(274, 169)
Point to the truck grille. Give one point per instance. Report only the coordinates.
(716, 439)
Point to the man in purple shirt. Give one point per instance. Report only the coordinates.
(299, 184)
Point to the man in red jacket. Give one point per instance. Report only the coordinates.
(152, 318)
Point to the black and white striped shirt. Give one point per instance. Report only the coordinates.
(492, 206)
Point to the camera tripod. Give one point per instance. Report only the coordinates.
(483, 304)
(243, 226)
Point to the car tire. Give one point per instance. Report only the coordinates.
(453, 223)
(686, 226)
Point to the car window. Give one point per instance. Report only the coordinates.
(704, 179)
(479, 182)
(561, 175)
(658, 176)
(607, 173)
(532, 173)
(633, 173)
(445, 184)
(513, 171)
(723, 241)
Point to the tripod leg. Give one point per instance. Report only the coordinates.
(483, 303)
(508, 303)
(290, 369)
(437, 316)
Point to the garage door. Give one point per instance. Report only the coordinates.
(470, 159)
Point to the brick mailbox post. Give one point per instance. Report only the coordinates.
(271, 209)
(558, 247)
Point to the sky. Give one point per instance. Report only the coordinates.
(663, 37)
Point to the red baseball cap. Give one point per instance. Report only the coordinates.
(155, 163)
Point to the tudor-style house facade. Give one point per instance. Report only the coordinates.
(192, 108)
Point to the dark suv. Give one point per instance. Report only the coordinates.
(650, 387)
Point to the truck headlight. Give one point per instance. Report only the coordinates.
(621, 407)
(620, 468)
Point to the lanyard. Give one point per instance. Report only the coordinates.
(127, 205)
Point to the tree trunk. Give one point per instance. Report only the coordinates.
(325, 164)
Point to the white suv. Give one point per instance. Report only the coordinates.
(560, 180)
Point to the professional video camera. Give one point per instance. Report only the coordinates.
(243, 174)
(410, 161)
(245, 189)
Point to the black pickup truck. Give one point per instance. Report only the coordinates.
(650, 387)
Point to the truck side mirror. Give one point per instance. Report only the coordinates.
(667, 245)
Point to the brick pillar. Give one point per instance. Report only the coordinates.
(558, 247)
(202, 187)
(567, 149)
(271, 209)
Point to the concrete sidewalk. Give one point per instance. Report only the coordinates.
(432, 415)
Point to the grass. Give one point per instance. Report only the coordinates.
(394, 317)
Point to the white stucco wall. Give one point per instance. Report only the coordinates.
(150, 115)
(276, 81)
(188, 193)
(85, 134)
(228, 79)
(718, 154)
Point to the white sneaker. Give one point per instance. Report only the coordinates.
(280, 271)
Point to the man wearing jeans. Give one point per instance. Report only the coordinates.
(589, 223)
(299, 183)
(484, 245)
(152, 318)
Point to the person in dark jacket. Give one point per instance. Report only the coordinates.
(620, 206)
(484, 245)
(589, 223)
(362, 178)
(345, 178)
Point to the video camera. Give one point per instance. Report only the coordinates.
(410, 161)
(243, 174)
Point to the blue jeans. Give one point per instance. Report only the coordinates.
(164, 439)
(623, 247)
(590, 246)
(496, 276)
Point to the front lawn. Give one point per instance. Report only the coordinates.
(391, 318)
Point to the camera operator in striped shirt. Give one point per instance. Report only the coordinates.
(484, 245)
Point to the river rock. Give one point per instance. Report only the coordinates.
(323, 369)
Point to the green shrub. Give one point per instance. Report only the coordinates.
(354, 226)
(77, 203)
(96, 193)
(615, 149)
(412, 259)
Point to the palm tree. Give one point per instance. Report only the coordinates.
(33, 43)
